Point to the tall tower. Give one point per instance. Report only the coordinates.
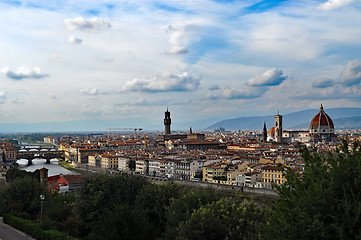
(278, 128)
(167, 122)
(264, 132)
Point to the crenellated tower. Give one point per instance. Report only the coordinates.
(167, 122)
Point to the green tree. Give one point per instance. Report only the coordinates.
(101, 192)
(325, 203)
(21, 197)
(181, 208)
(231, 217)
(154, 201)
(122, 222)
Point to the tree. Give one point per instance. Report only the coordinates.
(325, 203)
(100, 193)
(21, 197)
(122, 222)
(231, 217)
(181, 209)
(154, 200)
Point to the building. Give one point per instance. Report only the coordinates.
(272, 175)
(170, 168)
(154, 167)
(69, 183)
(109, 161)
(50, 140)
(322, 128)
(123, 164)
(142, 166)
(3, 174)
(167, 123)
(94, 160)
(278, 128)
(215, 173)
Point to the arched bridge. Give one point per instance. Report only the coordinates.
(32, 154)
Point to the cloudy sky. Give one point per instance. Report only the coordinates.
(112, 59)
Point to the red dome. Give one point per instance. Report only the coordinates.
(272, 131)
(321, 119)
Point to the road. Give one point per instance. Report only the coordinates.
(9, 233)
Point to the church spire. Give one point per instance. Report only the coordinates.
(264, 132)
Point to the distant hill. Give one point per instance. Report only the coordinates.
(344, 118)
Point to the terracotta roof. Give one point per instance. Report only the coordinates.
(73, 178)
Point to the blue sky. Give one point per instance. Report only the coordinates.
(80, 60)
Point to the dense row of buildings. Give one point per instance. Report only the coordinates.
(240, 158)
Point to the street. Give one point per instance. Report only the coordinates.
(9, 233)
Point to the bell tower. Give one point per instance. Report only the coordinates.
(167, 122)
(278, 128)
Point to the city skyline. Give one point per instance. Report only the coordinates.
(77, 60)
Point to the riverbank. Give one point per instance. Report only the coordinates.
(72, 168)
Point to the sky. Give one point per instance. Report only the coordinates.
(206, 60)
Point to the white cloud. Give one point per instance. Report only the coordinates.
(244, 93)
(351, 74)
(178, 50)
(24, 71)
(178, 35)
(90, 91)
(333, 4)
(164, 83)
(74, 40)
(270, 77)
(82, 24)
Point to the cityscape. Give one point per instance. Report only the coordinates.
(189, 120)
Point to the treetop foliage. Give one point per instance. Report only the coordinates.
(325, 203)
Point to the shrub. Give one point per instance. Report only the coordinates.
(33, 228)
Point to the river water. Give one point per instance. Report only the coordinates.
(53, 167)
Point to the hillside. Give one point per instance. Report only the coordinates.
(344, 118)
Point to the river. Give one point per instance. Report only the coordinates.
(53, 167)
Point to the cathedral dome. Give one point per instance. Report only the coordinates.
(272, 131)
(322, 128)
(321, 119)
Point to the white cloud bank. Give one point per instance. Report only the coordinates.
(165, 82)
(333, 4)
(24, 71)
(82, 24)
